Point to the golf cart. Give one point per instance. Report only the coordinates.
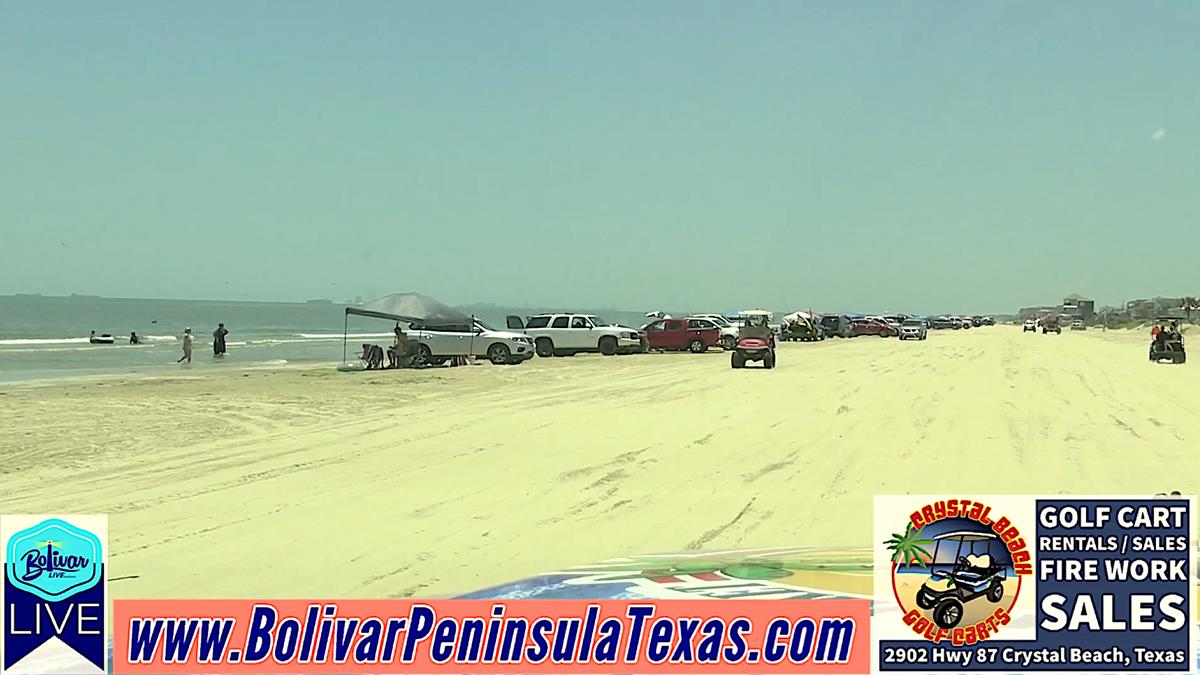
(1168, 344)
(756, 340)
(969, 577)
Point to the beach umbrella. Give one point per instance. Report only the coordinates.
(413, 308)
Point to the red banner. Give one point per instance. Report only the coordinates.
(527, 637)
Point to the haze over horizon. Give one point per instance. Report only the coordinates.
(916, 155)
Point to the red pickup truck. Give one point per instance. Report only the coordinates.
(694, 335)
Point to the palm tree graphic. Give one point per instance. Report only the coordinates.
(908, 548)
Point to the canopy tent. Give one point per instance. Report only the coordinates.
(794, 316)
(410, 308)
(414, 309)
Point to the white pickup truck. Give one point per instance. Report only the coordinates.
(568, 334)
(438, 343)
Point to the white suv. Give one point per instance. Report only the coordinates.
(437, 343)
(566, 334)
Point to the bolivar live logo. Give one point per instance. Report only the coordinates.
(956, 571)
(54, 593)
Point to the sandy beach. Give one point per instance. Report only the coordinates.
(307, 482)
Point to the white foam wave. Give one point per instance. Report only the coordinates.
(118, 339)
(280, 341)
(55, 350)
(45, 341)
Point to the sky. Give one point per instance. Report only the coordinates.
(900, 156)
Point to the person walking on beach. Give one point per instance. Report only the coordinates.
(219, 340)
(187, 346)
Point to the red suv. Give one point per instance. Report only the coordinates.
(872, 327)
(694, 335)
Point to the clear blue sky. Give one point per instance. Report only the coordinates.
(910, 156)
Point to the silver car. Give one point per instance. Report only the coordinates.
(913, 329)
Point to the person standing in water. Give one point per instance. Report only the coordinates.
(219, 340)
(187, 346)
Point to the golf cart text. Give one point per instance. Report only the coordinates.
(965, 635)
(1156, 516)
(980, 513)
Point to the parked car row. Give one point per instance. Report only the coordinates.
(566, 334)
(961, 322)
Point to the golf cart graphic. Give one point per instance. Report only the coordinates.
(974, 574)
(954, 573)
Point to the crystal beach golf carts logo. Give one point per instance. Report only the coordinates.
(54, 596)
(956, 570)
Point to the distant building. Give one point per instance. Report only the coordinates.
(1079, 307)
(1140, 309)
(1038, 312)
(1169, 306)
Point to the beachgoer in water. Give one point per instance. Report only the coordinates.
(134, 339)
(219, 340)
(187, 346)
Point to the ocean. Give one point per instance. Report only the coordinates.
(43, 337)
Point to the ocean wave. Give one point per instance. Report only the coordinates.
(279, 341)
(119, 339)
(54, 349)
(45, 341)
